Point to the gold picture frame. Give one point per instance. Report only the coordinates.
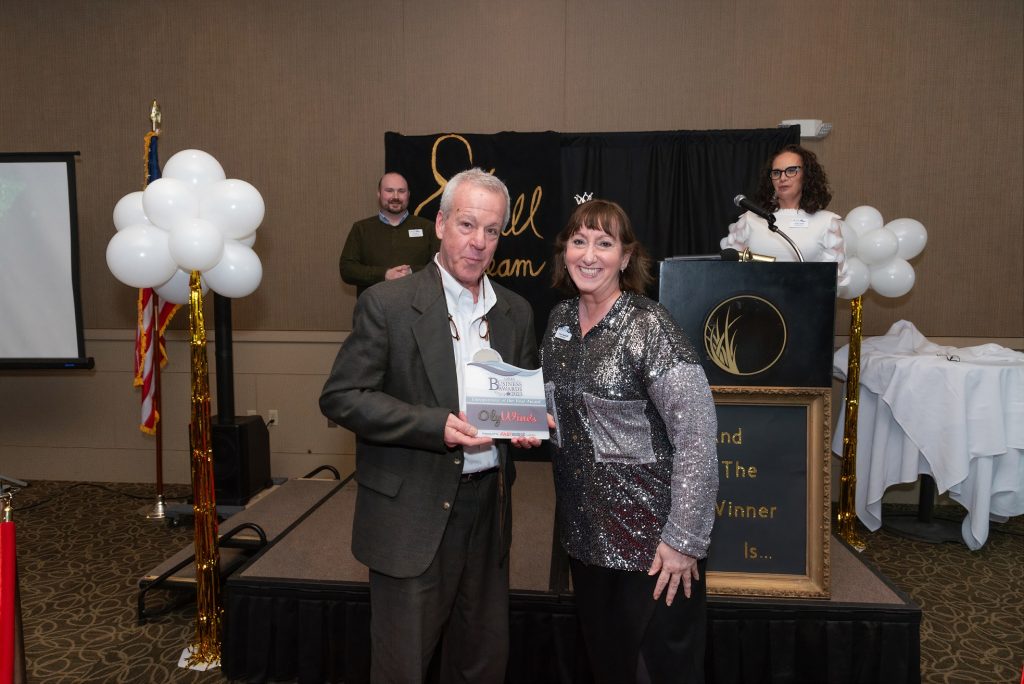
(815, 581)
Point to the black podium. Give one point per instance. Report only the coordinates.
(763, 332)
(762, 324)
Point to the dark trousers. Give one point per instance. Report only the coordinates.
(461, 601)
(631, 638)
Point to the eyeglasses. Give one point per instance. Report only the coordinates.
(790, 171)
(485, 328)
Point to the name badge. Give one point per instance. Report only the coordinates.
(415, 232)
(563, 333)
(799, 222)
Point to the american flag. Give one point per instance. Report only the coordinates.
(149, 334)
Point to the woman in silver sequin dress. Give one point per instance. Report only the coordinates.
(633, 456)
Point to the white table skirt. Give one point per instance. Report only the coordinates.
(923, 412)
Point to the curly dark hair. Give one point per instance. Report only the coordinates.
(609, 217)
(815, 193)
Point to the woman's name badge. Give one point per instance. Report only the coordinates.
(563, 333)
(799, 222)
(415, 232)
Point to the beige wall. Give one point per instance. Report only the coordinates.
(84, 425)
(925, 97)
(295, 97)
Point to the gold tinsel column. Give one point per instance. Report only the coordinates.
(847, 527)
(205, 650)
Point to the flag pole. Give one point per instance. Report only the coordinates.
(159, 510)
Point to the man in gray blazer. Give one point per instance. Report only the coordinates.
(433, 516)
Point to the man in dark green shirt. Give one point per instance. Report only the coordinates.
(392, 244)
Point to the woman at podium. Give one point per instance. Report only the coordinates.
(633, 456)
(794, 187)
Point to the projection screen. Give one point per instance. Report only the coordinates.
(40, 307)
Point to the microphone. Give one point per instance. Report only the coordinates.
(742, 202)
(727, 254)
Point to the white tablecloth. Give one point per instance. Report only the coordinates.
(924, 411)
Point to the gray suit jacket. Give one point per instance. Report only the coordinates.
(393, 384)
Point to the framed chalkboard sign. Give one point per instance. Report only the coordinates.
(772, 517)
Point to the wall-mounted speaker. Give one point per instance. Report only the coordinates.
(241, 459)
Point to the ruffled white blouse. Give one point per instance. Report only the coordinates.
(819, 237)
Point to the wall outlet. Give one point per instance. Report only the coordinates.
(252, 412)
(272, 418)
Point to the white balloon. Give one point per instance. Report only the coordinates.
(238, 274)
(129, 212)
(850, 239)
(167, 202)
(196, 244)
(247, 240)
(877, 246)
(911, 236)
(234, 206)
(196, 168)
(860, 279)
(864, 219)
(176, 290)
(138, 256)
(894, 278)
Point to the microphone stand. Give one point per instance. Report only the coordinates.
(775, 229)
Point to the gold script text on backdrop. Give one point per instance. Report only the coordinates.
(508, 267)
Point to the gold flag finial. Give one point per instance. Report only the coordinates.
(154, 115)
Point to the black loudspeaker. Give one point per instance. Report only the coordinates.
(241, 459)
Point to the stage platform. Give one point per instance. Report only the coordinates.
(269, 515)
(299, 610)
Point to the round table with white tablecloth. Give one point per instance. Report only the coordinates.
(956, 414)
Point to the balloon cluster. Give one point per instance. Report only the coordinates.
(877, 255)
(191, 219)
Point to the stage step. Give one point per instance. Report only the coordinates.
(249, 530)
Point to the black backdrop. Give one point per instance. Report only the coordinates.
(676, 186)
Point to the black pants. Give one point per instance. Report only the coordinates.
(630, 637)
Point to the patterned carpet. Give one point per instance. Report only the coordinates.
(82, 548)
(81, 551)
(972, 602)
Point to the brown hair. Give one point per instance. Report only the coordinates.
(814, 190)
(609, 218)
